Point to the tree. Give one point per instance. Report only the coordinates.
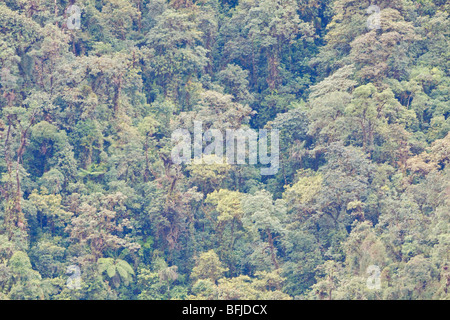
(263, 218)
(208, 266)
(177, 56)
(234, 79)
(99, 226)
(227, 222)
(26, 283)
(116, 269)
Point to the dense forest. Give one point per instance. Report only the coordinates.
(92, 206)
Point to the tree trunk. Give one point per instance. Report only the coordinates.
(272, 249)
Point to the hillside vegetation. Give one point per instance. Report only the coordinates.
(92, 205)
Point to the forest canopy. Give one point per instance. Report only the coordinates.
(92, 205)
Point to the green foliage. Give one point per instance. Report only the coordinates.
(87, 182)
(208, 266)
(117, 270)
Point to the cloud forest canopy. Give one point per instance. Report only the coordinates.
(93, 207)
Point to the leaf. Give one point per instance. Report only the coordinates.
(124, 265)
(111, 271)
(103, 264)
(122, 272)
